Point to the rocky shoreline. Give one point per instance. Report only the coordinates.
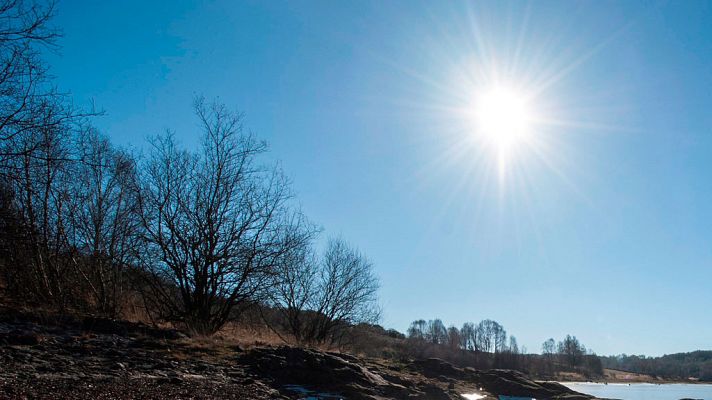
(77, 358)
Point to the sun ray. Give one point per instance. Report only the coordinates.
(501, 113)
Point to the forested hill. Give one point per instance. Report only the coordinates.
(694, 365)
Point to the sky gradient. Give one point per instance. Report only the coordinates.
(602, 229)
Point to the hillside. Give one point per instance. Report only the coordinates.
(49, 356)
(691, 366)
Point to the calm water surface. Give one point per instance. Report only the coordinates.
(644, 391)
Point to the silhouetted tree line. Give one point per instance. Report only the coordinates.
(683, 366)
(194, 236)
(487, 336)
(481, 345)
(570, 355)
(485, 344)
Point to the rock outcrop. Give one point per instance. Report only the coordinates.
(515, 383)
(345, 375)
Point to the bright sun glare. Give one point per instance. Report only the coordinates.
(503, 119)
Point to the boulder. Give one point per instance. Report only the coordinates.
(516, 384)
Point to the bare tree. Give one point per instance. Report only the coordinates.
(42, 172)
(317, 298)
(293, 293)
(37, 154)
(453, 338)
(436, 332)
(216, 225)
(485, 333)
(509, 356)
(499, 338)
(490, 336)
(104, 219)
(347, 292)
(571, 350)
(24, 86)
(548, 348)
(468, 336)
(417, 329)
(513, 346)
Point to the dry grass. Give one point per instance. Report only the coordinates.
(249, 335)
(611, 375)
(223, 344)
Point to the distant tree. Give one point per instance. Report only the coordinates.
(513, 346)
(395, 334)
(492, 338)
(593, 364)
(548, 348)
(417, 329)
(706, 371)
(436, 332)
(500, 338)
(485, 330)
(571, 350)
(453, 337)
(510, 356)
(548, 351)
(467, 336)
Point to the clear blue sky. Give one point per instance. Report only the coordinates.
(603, 231)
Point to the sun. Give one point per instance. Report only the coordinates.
(503, 118)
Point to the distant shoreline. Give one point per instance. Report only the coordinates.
(649, 382)
(612, 376)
